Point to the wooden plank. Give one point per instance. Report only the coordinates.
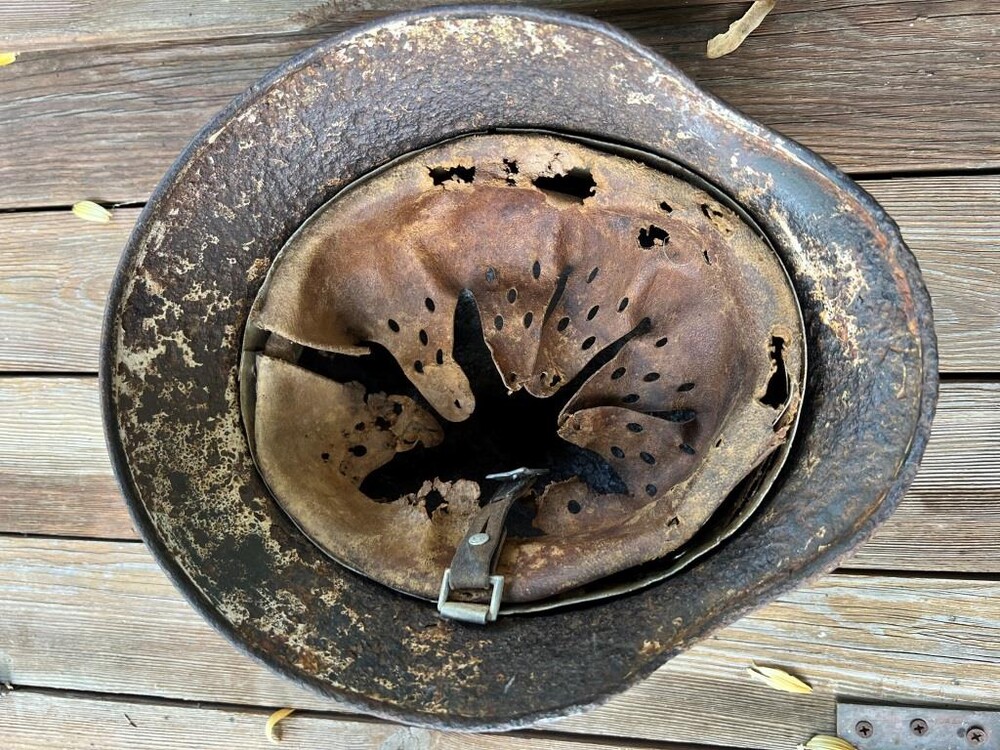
(55, 273)
(55, 269)
(55, 476)
(874, 86)
(49, 24)
(56, 479)
(35, 719)
(952, 224)
(100, 616)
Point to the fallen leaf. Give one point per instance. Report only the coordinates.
(90, 211)
(739, 30)
(272, 722)
(826, 742)
(6, 58)
(779, 679)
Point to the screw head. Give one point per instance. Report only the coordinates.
(976, 735)
(864, 728)
(918, 727)
(479, 539)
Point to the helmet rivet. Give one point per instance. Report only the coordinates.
(479, 539)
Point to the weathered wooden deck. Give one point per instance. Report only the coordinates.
(103, 652)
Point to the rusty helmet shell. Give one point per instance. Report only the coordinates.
(203, 246)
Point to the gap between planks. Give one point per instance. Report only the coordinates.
(98, 616)
(55, 272)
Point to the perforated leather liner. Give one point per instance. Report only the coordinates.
(633, 320)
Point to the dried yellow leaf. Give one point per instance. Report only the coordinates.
(272, 722)
(90, 211)
(739, 30)
(779, 679)
(6, 58)
(827, 742)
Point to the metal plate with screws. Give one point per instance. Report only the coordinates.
(917, 728)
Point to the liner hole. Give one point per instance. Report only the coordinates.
(623, 304)
(661, 342)
(576, 183)
(618, 373)
(512, 296)
(666, 207)
(711, 211)
(649, 458)
(458, 173)
(358, 450)
(536, 269)
(429, 303)
(685, 387)
(588, 342)
(573, 507)
(653, 236)
(651, 490)
(423, 337)
(592, 313)
(651, 377)
(393, 325)
(418, 366)
(325, 456)
(498, 322)
(630, 398)
(634, 427)
(686, 449)
(593, 274)
(491, 275)
(528, 317)
(563, 324)
(777, 387)
(439, 357)
(434, 501)
(617, 452)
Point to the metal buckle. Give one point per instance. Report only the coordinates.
(478, 614)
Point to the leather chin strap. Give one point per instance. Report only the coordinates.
(472, 566)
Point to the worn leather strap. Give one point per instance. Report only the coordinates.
(476, 555)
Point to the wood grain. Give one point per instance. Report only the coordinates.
(100, 616)
(103, 98)
(952, 224)
(55, 477)
(105, 122)
(48, 719)
(55, 271)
